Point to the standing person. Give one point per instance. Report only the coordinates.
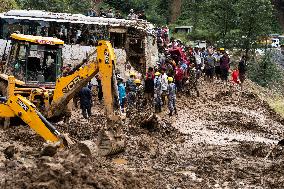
(157, 92)
(139, 94)
(142, 15)
(102, 13)
(179, 78)
(99, 88)
(149, 85)
(110, 14)
(217, 65)
(209, 67)
(131, 90)
(86, 102)
(242, 70)
(172, 96)
(121, 94)
(164, 83)
(225, 66)
(132, 15)
(118, 15)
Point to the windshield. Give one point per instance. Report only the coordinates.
(35, 63)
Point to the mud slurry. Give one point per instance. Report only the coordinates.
(217, 140)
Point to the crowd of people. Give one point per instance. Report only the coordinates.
(179, 70)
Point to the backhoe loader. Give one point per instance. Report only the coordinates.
(34, 89)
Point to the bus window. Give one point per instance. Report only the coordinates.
(118, 40)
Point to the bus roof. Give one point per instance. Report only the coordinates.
(37, 39)
(74, 18)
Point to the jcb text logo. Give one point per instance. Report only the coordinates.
(71, 85)
(23, 105)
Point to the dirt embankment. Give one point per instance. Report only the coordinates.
(218, 140)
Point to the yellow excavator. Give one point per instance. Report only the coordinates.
(34, 88)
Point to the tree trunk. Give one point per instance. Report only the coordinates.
(175, 10)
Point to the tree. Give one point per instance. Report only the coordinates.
(6, 5)
(254, 20)
(72, 6)
(222, 19)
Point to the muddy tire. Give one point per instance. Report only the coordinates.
(3, 88)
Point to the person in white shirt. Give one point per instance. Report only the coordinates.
(132, 15)
(165, 84)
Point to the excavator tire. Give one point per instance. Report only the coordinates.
(110, 143)
(3, 87)
(3, 92)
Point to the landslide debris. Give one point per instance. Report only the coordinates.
(218, 140)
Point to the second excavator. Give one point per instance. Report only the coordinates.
(34, 89)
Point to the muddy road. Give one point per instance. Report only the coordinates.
(217, 140)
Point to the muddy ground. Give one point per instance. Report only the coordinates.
(217, 140)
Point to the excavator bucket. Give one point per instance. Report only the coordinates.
(110, 142)
(66, 140)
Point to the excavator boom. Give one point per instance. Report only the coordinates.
(66, 87)
(16, 105)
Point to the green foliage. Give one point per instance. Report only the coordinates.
(72, 6)
(6, 5)
(157, 11)
(254, 20)
(265, 72)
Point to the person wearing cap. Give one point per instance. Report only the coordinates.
(131, 90)
(139, 94)
(121, 93)
(172, 96)
(157, 92)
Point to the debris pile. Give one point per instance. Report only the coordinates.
(218, 140)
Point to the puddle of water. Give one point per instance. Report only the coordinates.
(120, 161)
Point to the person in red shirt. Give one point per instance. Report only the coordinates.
(149, 85)
(178, 77)
(235, 77)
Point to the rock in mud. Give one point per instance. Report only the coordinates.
(50, 149)
(10, 152)
(87, 147)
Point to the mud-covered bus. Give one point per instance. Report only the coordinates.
(134, 40)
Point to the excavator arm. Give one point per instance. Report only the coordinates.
(68, 86)
(16, 105)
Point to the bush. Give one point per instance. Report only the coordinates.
(266, 72)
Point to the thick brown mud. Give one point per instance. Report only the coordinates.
(218, 140)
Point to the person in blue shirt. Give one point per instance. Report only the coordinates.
(121, 93)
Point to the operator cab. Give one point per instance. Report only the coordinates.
(35, 59)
